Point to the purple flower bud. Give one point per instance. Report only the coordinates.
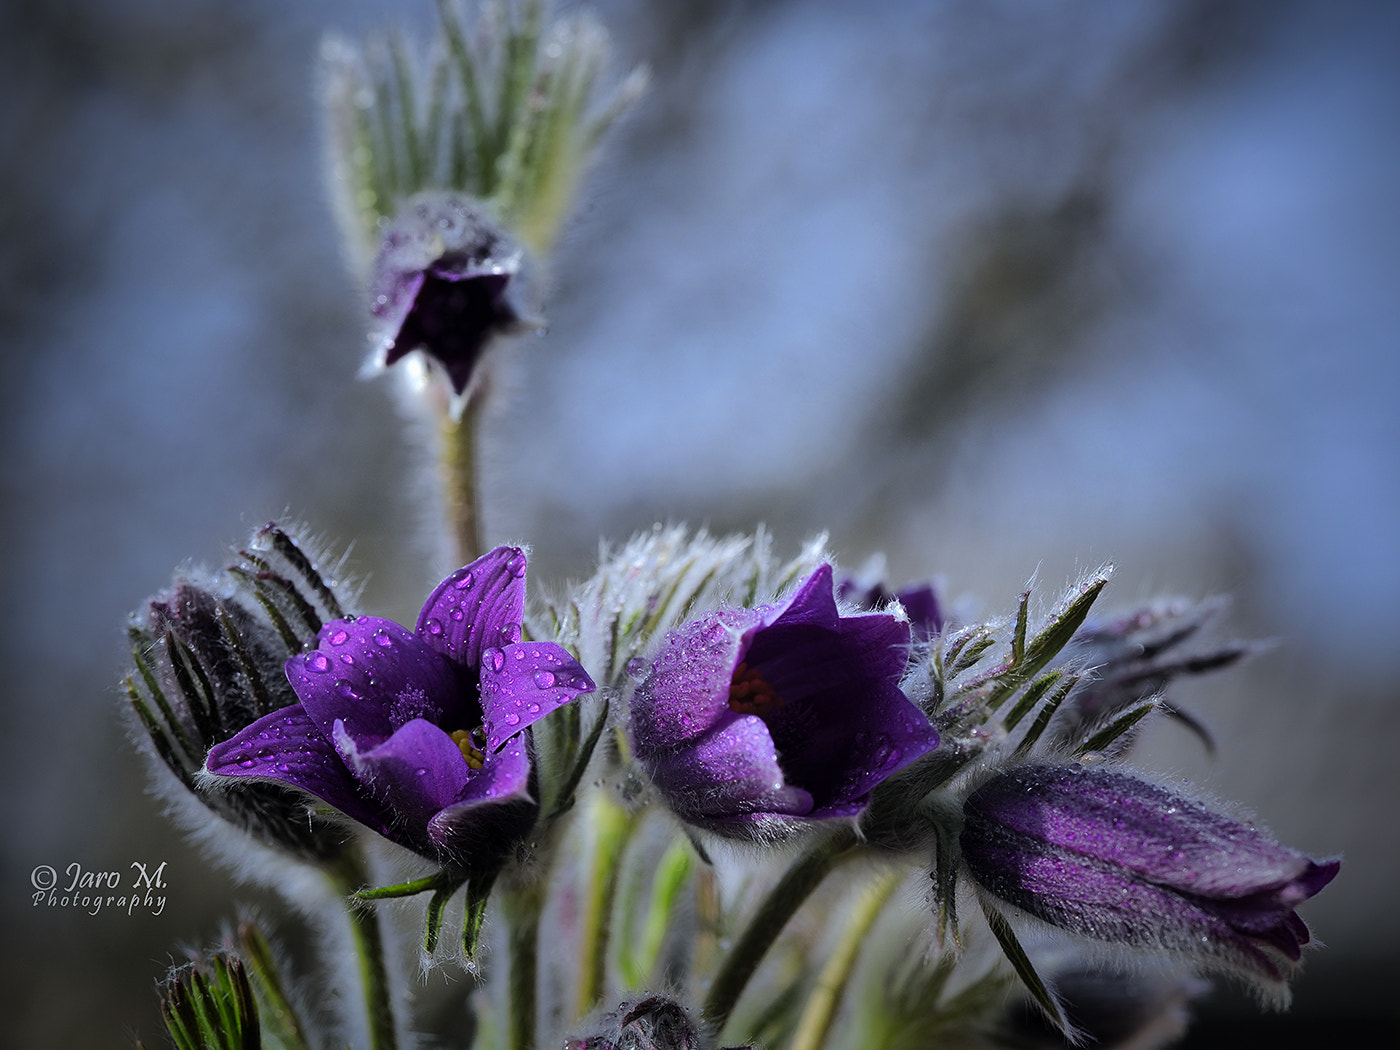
(416, 734)
(920, 602)
(1108, 856)
(788, 710)
(442, 284)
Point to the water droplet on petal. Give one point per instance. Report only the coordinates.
(346, 690)
(435, 626)
(515, 564)
(246, 763)
(511, 633)
(458, 614)
(465, 582)
(494, 658)
(635, 667)
(512, 720)
(420, 772)
(381, 638)
(544, 679)
(318, 662)
(534, 709)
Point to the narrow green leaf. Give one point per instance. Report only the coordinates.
(1042, 720)
(1030, 698)
(1016, 955)
(1116, 728)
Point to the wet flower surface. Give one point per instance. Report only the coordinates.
(442, 284)
(417, 734)
(788, 710)
(1103, 854)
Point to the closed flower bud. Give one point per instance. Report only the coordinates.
(1113, 858)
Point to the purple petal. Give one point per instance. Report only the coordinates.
(287, 746)
(413, 774)
(813, 604)
(732, 772)
(496, 807)
(375, 676)
(686, 692)
(480, 606)
(522, 683)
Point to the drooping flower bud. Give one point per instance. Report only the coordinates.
(1113, 858)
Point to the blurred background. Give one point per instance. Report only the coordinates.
(996, 289)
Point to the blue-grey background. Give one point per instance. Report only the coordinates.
(995, 288)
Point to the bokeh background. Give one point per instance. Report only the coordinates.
(994, 288)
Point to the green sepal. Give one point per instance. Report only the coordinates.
(1116, 728)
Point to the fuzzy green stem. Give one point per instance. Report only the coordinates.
(782, 902)
(815, 1023)
(369, 956)
(611, 827)
(459, 481)
(521, 910)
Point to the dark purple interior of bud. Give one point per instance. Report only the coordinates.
(453, 318)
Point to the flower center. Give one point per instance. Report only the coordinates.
(472, 744)
(750, 693)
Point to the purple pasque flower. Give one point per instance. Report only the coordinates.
(442, 283)
(417, 734)
(1103, 854)
(788, 710)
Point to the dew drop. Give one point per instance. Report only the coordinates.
(534, 709)
(346, 658)
(512, 720)
(345, 689)
(495, 659)
(246, 763)
(635, 667)
(515, 564)
(339, 636)
(511, 633)
(318, 662)
(458, 614)
(435, 626)
(544, 679)
(467, 579)
(381, 638)
(420, 772)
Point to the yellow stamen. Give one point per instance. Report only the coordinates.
(466, 740)
(750, 693)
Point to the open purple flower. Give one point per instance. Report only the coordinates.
(442, 284)
(1108, 856)
(417, 734)
(788, 710)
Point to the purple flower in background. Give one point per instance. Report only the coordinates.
(919, 600)
(417, 733)
(788, 710)
(1106, 855)
(442, 284)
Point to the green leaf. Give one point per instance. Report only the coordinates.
(1016, 955)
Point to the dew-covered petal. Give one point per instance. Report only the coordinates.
(522, 683)
(731, 772)
(288, 747)
(375, 676)
(494, 809)
(1117, 818)
(480, 606)
(413, 774)
(686, 690)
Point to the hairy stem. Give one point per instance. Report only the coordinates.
(815, 1023)
(369, 956)
(782, 902)
(459, 481)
